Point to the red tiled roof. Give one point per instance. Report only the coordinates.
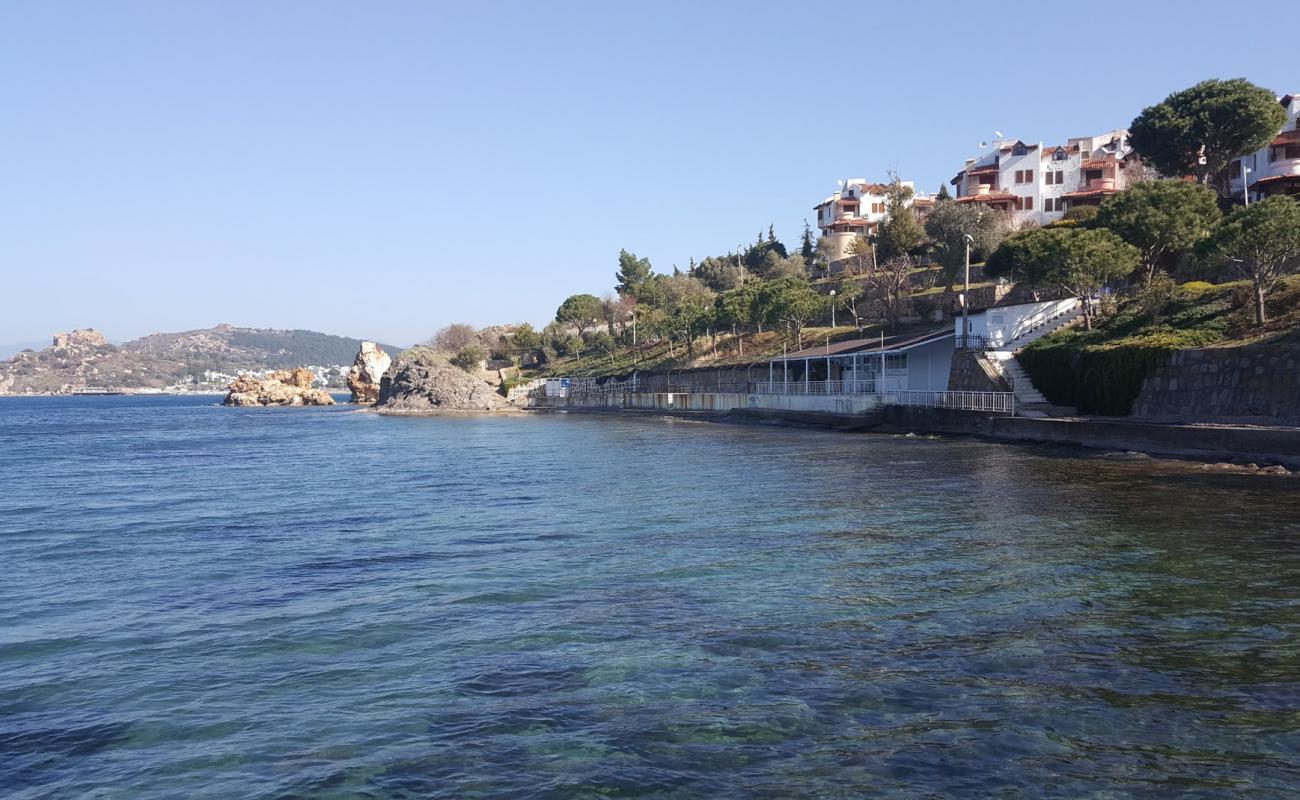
(1275, 179)
(1287, 137)
(1089, 193)
(982, 170)
(991, 197)
(1097, 163)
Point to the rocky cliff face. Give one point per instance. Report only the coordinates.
(367, 371)
(422, 381)
(282, 388)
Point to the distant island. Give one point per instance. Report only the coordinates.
(207, 359)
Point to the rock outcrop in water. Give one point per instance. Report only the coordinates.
(281, 388)
(423, 381)
(367, 371)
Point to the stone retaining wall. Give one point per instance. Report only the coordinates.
(1255, 383)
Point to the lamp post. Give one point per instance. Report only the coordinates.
(832, 308)
(965, 297)
(1245, 188)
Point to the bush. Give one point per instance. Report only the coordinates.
(1154, 294)
(1096, 379)
(470, 356)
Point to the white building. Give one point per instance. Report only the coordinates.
(857, 209)
(1276, 168)
(1039, 184)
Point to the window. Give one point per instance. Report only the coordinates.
(1092, 175)
(896, 362)
(1061, 154)
(1054, 178)
(1029, 176)
(1029, 204)
(1054, 204)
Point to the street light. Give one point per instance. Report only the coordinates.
(1245, 188)
(832, 308)
(965, 297)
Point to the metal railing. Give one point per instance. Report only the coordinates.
(995, 402)
(814, 388)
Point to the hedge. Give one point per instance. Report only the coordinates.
(1095, 379)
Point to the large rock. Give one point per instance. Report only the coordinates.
(367, 371)
(281, 388)
(423, 381)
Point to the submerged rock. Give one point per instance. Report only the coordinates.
(423, 381)
(367, 371)
(281, 388)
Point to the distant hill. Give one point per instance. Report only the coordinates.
(226, 348)
(85, 359)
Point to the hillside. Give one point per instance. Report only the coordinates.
(86, 360)
(226, 348)
(1101, 371)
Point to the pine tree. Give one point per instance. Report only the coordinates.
(807, 247)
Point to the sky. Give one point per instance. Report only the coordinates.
(379, 170)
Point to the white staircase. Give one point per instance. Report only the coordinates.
(1029, 401)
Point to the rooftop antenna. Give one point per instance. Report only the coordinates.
(997, 134)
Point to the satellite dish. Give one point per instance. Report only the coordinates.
(983, 145)
(997, 134)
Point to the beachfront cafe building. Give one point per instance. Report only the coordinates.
(865, 366)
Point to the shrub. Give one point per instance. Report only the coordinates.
(470, 356)
(1096, 379)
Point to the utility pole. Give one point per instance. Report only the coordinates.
(965, 297)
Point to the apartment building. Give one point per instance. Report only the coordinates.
(1039, 184)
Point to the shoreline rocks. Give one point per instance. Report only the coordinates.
(281, 388)
(367, 371)
(424, 381)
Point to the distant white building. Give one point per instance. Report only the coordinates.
(1275, 169)
(857, 209)
(1039, 184)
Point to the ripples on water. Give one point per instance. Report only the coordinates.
(207, 602)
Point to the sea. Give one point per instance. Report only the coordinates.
(204, 602)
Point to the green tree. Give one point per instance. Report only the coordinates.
(1080, 261)
(470, 357)
(807, 244)
(632, 272)
(1262, 242)
(849, 295)
(1199, 130)
(525, 342)
(581, 311)
(689, 305)
(1160, 218)
(790, 302)
(901, 232)
(722, 273)
(949, 224)
(943, 193)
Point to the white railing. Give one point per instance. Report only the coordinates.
(818, 388)
(1043, 318)
(996, 402)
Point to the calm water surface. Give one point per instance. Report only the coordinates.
(293, 603)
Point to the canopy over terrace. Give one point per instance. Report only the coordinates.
(848, 367)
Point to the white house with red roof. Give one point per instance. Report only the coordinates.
(856, 209)
(1275, 169)
(1039, 184)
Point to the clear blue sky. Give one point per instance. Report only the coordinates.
(381, 169)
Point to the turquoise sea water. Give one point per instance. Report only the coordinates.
(295, 603)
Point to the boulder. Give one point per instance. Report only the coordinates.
(280, 388)
(423, 381)
(367, 371)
